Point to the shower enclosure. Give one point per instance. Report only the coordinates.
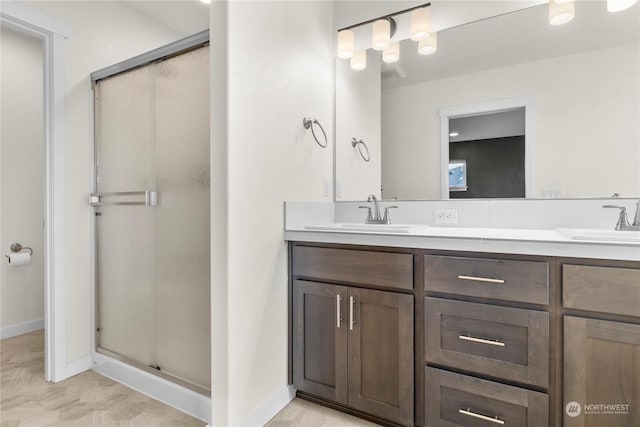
(151, 204)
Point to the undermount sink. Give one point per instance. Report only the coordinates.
(601, 235)
(382, 228)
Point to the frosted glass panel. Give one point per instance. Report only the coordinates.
(182, 219)
(126, 264)
(153, 263)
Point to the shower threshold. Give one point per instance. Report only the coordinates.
(178, 393)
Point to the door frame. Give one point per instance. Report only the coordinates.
(447, 113)
(53, 34)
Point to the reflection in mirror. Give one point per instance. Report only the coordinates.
(488, 152)
(458, 175)
(581, 81)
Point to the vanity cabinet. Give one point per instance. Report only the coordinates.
(354, 346)
(601, 364)
(485, 339)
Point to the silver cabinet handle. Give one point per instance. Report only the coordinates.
(338, 299)
(481, 340)
(150, 198)
(481, 279)
(351, 321)
(495, 420)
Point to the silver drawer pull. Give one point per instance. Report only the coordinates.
(468, 412)
(481, 279)
(338, 299)
(481, 340)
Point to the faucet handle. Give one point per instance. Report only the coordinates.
(622, 219)
(387, 218)
(369, 215)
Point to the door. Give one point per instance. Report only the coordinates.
(381, 354)
(320, 340)
(601, 373)
(152, 217)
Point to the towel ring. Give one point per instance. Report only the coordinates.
(308, 124)
(360, 143)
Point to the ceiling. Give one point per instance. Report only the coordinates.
(186, 17)
(513, 38)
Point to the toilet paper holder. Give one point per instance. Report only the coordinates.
(17, 247)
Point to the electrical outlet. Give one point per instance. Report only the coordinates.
(445, 216)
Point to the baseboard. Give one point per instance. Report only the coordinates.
(275, 405)
(177, 396)
(22, 328)
(78, 366)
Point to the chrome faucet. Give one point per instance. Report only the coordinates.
(623, 222)
(373, 216)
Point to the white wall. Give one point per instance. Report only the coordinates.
(101, 33)
(22, 193)
(568, 155)
(280, 63)
(358, 116)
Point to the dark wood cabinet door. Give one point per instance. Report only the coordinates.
(381, 354)
(601, 367)
(320, 340)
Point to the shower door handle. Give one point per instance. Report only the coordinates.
(150, 198)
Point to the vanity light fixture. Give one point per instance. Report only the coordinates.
(453, 134)
(345, 44)
(359, 60)
(382, 30)
(392, 53)
(618, 5)
(381, 34)
(428, 45)
(420, 23)
(561, 11)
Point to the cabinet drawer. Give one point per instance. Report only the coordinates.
(387, 269)
(522, 281)
(603, 289)
(509, 343)
(460, 400)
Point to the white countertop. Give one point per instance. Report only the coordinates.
(499, 240)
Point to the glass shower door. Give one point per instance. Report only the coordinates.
(152, 218)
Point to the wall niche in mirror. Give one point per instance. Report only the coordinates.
(578, 82)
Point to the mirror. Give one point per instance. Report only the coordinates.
(578, 85)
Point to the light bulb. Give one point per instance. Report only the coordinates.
(428, 45)
(561, 11)
(345, 44)
(618, 5)
(420, 27)
(359, 60)
(381, 34)
(392, 53)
